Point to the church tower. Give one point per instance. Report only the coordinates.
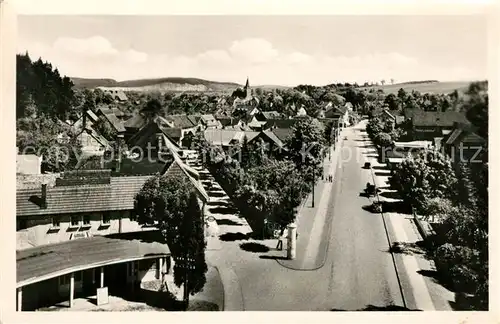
(247, 89)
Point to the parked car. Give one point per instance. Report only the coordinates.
(368, 165)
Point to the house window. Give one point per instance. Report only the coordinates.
(106, 219)
(75, 221)
(56, 222)
(86, 220)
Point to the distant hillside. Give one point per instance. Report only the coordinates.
(92, 83)
(270, 87)
(425, 87)
(159, 84)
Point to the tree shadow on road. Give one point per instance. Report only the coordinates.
(230, 237)
(370, 308)
(220, 203)
(228, 222)
(438, 278)
(273, 257)
(254, 247)
(223, 210)
(216, 193)
(390, 194)
(377, 167)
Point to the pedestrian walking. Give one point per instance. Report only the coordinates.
(279, 247)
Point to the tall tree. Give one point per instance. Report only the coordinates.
(429, 175)
(305, 147)
(152, 109)
(170, 203)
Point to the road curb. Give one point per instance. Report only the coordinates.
(233, 294)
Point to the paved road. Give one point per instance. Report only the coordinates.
(358, 271)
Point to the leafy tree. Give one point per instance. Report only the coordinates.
(429, 175)
(273, 189)
(89, 101)
(402, 95)
(392, 102)
(383, 140)
(476, 107)
(374, 126)
(152, 109)
(170, 203)
(306, 147)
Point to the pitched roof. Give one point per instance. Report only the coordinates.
(437, 118)
(174, 133)
(181, 121)
(117, 195)
(272, 136)
(463, 134)
(135, 122)
(48, 261)
(98, 137)
(210, 121)
(195, 119)
(271, 114)
(112, 110)
(282, 133)
(281, 123)
(225, 136)
(27, 181)
(228, 121)
(113, 120)
(255, 123)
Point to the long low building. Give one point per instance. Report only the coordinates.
(87, 267)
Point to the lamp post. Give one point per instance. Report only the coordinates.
(312, 188)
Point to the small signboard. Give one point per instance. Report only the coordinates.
(102, 296)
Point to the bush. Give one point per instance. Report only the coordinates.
(458, 263)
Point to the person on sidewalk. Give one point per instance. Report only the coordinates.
(279, 246)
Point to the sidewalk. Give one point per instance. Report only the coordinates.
(312, 222)
(420, 290)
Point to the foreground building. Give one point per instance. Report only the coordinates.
(72, 237)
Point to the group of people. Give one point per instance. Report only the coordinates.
(329, 178)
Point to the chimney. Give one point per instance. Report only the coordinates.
(44, 196)
(160, 141)
(118, 163)
(84, 120)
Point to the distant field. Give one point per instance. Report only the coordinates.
(430, 87)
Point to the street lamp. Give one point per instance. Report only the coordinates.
(313, 188)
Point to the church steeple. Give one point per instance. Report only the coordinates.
(247, 89)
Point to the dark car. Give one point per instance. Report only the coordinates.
(368, 165)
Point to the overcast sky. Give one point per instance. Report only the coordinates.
(282, 50)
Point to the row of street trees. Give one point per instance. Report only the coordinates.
(269, 187)
(456, 196)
